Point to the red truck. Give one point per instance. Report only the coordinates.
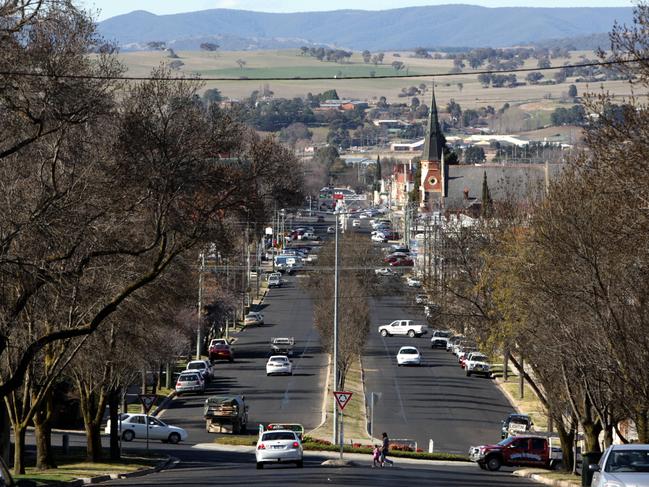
(517, 451)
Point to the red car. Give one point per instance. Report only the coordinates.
(221, 351)
(402, 263)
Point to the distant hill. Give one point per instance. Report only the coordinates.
(589, 42)
(403, 28)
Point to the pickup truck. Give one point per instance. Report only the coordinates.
(403, 327)
(275, 280)
(515, 424)
(282, 346)
(478, 364)
(517, 451)
(440, 339)
(225, 414)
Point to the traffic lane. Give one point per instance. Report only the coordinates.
(436, 401)
(298, 398)
(202, 468)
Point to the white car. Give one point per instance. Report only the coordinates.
(331, 230)
(384, 271)
(356, 223)
(622, 466)
(408, 356)
(413, 282)
(279, 446)
(203, 367)
(478, 364)
(363, 216)
(134, 426)
(254, 318)
(190, 381)
(279, 364)
(379, 237)
(440, 339)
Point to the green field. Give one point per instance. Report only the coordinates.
(464, 87)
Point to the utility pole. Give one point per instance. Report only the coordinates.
(335, 347)
(247, 290)
(200, 307)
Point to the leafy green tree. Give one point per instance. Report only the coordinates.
(212, 95)
(544, 63)
(377, 174)
(484, 79)
(534, 77)
(572, 91)
(209, 46)
(367, 56)
(398, 65)
(470, 117)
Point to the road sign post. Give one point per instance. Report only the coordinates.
(342, 398)
(147, 401)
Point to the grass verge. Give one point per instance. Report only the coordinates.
(354, 418)
(559, 476)
(75, 466)
(310, 444)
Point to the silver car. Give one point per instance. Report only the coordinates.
(622, 466)
(190, 381)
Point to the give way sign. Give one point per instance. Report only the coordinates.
(342, 398)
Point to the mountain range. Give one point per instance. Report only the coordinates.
(395, 29)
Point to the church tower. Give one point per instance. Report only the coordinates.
(433, 172)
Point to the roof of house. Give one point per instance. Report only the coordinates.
(520, 182)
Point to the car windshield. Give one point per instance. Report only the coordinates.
(516, 420)
(628, 461)
(196, 365)
(478, 358)
(409, 351)
(280, 435)
(280, 360)
(506, 441)
(442, 334)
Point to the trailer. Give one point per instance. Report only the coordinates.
(225, 414)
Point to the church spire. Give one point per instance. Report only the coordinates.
(433, 145)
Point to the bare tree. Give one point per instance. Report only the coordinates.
(241, 63)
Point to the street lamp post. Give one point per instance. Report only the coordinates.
(200, 307)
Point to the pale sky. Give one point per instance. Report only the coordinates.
(110, 8)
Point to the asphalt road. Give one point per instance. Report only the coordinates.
(434, 401)
(296, 399)
(203, 468)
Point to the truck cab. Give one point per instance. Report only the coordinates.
(517, 451)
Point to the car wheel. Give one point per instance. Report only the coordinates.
(128, 435)
(299, 464)
(411, 333)
(482, 466)
(260, 465)
(493, 463)
(174, 438)
(384, 333)
(468, 374)
(231, 360)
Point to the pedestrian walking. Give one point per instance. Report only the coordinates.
(384, 451)
(376, 457)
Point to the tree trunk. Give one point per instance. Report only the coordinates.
(567, 439)
(113, 410)
(592, 429)
(19, 448)
(43, 432)
(5, 434)
(641, 420)
(93, 441)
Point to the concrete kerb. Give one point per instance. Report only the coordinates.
(357, 459)
(532, 475)
(166, 463)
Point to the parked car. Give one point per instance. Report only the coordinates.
(132, 426)
(378, 237)
(222, 352)
(408, 356)
(402, 263)
(622, 466)
(279, 446)
(356, 223)
(279, 364)
(403, 327)
(477, 363)
(517, 451)
(214, 343)
(275, 280)
(202, 366)
(320, 219)
(190, 381)
(254, 318)
(440, 338)
(331, 229)
(421, 299)
(452, 341)
(413, 282)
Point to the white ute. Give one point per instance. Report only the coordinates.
(403, 327)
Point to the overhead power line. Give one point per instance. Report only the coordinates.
(313, 78)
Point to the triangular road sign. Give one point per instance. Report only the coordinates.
(342, 398)
(147, 401)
